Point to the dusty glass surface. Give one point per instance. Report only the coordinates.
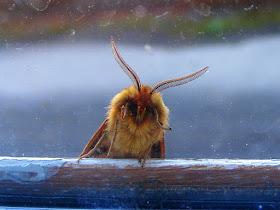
(58, 73)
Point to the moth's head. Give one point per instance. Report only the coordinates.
(141, 104)
(135, 104)
(142, 100)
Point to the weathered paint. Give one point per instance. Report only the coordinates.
(115, 183)
(33, 169)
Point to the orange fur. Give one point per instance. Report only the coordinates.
(135, 138)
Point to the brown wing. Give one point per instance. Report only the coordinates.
(94, 147)
(158, 149)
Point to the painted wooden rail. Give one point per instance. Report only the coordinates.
(113, 183)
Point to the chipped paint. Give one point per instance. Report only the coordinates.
(28, 170)
(23, 170)
(126, 163)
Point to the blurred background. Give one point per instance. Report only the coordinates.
(58, 73)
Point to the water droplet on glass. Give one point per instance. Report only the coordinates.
(249, 8)
(148, 48)
(264, 118)
(72, 32)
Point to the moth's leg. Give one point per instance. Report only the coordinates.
(139, 158)
(159, 124)
(92, 150)
(124, 110)
(158, 148)
(146, 155)
(162, 147)
(113, 141)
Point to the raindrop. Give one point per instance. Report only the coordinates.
(39, 5)
(148, 48)
(12, 7)
(203, 9)
(182, 36)
(162, 15)
(13, 140)
(249, 8)
(72, 32)
(140, 11)
(264, 118)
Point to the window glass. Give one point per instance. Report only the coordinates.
(58, 73)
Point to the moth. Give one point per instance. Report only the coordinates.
(136, 120)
